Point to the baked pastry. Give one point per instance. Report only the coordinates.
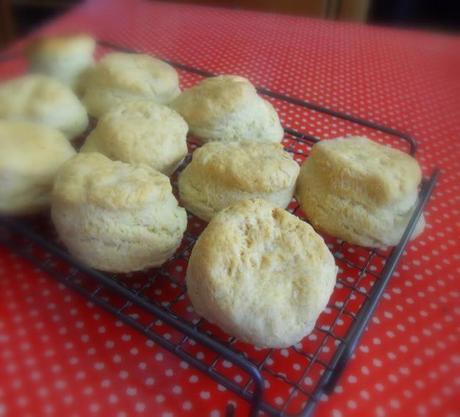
(227, 108)
(41, 99)
(359, 191)
(30, 155)
(141, 131)
(261, 274)
(221, 174)
(62, 57)
(121, 76)
(115, 216)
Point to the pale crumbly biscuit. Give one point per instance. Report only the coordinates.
(220, 174)
(359, 191)
(115, 216)
(30, 155)
(121, 76)
(261, 274)
(141, 131)
(63, 57)
(41, 99)
(227, 108)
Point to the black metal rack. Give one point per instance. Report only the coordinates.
(168, 322)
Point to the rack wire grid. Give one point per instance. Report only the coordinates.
(155, 303)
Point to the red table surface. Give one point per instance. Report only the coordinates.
(62, 356)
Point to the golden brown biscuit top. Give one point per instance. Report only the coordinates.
(61, 45)
(95, 179)
(252, 240)
(124, 129)
(361, 169)
(247, 166)
(31, 147)
(137, 73)
(33, 95)
(215, 97)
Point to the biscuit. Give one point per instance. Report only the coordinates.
(115, 216)
(261, 274)
(62, 57)
(359, 191)
(41, 99)
(121, 76)
(227, 108)
(30, 155)
(141, 131)
(221, 174)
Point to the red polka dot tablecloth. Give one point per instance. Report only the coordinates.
(62, 356)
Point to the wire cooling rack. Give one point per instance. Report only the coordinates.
(154, 302)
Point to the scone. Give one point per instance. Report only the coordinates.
(62, 57)
(141, 131)
(41, 99)
(115, 216)
(261, 274)
(30, 155)
(220, 174)
(121, 76)
(359, 191)
(227, 108)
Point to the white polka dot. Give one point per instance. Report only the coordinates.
(364, 394)
(379, 387)
(205, 395)
(394, 403)
(140, 407)
(187, 405)
(380, 412)
(94, 407)
(338, 389)
(393, 378)
(377, 362)
(352, 379)
(308, 381)
(351, 404)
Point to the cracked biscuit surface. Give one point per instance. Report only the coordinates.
(120, 76)
(114, 216)
(359, 191)
(261, 274)
(227, 108)
(221, 174)
(141, 131)
(30, 155)
(41, 99)
(62, 57)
